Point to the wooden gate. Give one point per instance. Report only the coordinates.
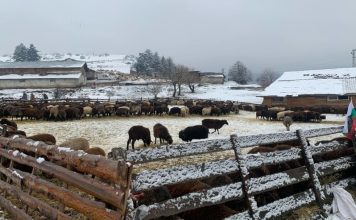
(247, 188)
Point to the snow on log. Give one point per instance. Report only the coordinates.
(261, 139)
(332, 166)
(281, 206)
(277, 180)
(178, 150)
(190, 201)
(115, 171)
(202, 147)
(154, 178)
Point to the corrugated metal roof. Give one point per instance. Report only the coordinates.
(314, 82)
(43, 64)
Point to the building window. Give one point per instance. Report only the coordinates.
(22, 80)
(337, 97)
(52, 81)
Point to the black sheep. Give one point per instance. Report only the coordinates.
(174, 110)
(215, 124)
(161, 132)
(194, 132)
(215, 111)
(139, 132)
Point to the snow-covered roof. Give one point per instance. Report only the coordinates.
(43, 64)
(338, 81)
(72, 75)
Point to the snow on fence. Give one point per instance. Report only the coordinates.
(247, 187)
(34, 175)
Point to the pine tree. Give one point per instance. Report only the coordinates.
(32, 54)
(156, 64)
(20, 53)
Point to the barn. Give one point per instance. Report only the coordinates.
(43, 74)
(211, 77)
(326, 88)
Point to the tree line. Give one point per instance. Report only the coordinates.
(151, 64)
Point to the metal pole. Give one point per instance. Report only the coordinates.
(353, 52)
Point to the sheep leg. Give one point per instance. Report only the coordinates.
(128, 142)
(156, 139)
(218, 131)
(133, 143)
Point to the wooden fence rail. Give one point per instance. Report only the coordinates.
(60, 175)
(246, 188)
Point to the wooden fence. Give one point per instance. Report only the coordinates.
(57, 182)
(247, 188)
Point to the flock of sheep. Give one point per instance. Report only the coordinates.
(60, 111)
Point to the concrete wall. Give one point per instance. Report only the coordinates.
(212, 80)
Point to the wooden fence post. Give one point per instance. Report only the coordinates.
(309, 163)
(244, 175)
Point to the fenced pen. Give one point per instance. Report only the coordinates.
(247, 188)
(51, 181)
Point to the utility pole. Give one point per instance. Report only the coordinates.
(353, 52)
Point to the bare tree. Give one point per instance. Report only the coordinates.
(191, 78)
(239, 73)
(180, 73)
(267, 77)
(154, 89)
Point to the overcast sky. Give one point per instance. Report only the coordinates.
(206, 35)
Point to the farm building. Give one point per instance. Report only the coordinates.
(211, 77)
(43, 74)
(329, 88)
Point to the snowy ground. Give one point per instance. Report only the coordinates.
(206, 91)
(112, 132)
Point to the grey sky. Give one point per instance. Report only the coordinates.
(204, 34)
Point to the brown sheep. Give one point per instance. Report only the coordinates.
(95, 151)
(76, 144)
(139, 132)
(161, 132)
(7, 122)
(215, 124)
(46, 138)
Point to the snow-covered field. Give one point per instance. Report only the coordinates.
(112, 132)
(206, 91)
(109, 62)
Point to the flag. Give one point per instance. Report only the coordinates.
(347, 123)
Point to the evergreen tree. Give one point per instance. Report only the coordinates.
(20, 53)
(156, 64)
(144, 63)
(32, 54)
(164, 67)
